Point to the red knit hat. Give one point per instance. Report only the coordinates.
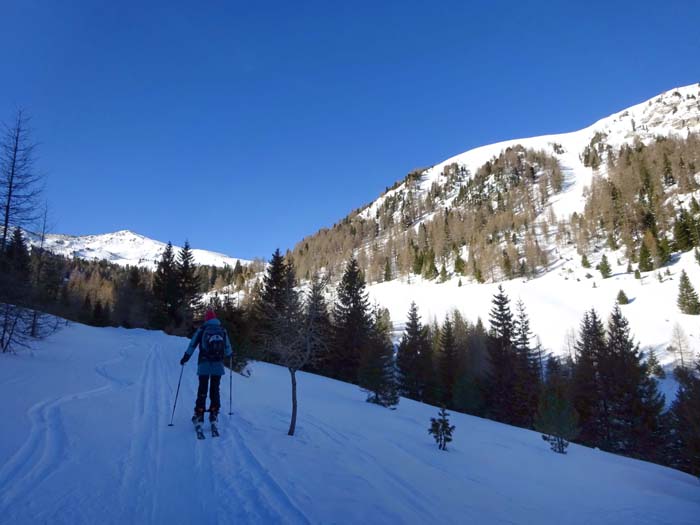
(209, 315)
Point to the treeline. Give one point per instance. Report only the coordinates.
(605, 395)
(483, 225)
(644, 205)
(104, 294)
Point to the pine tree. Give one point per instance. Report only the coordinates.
(633, 405)
(387, 271)
(441, 429)
(645, 262)
(414, 343)
(622, 298)
(683, 425)
(584, 261)
(556, 417)
(604, 267)
(166, 291)
(448, 362)
(688, 302)
(527, 372)
(15, 270)
(502, 360)
(376, 373)
(189, 285)
(586, 391)
(352, 325)
(682, 236)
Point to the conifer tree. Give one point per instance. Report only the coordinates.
(584, 261)
(441, 429)
(645, 262)
(684, 438)
(527, 372)
(166, 290)
(376, 373)
(387, 271)
(414, 343)
(502, 367)
(448, 362)
(352, 324)
(586, 391)
(604, 267)
(189, 284)
(622, 298)
(556, 417)
(632, 403)
(688, 302)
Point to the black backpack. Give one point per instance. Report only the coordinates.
(213, 344)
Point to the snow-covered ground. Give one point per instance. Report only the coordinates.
(85, 439)
(124, 248)
(557, 300)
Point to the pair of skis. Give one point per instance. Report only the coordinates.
(199, 429)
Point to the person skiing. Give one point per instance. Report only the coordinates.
(214, 344)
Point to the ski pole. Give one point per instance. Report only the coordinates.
(230, 386)
(182, 369)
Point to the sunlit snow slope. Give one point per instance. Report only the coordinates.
(124, 247)
(85, 439)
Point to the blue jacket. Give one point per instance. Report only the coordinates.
(208, 368)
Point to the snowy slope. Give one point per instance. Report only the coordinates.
(676, 111)
(124, 248)
(85, 440)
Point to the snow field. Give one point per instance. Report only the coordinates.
(89, 442)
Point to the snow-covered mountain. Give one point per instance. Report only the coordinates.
(674, 112)
(87, 441)
(557, 299)
(125, 248)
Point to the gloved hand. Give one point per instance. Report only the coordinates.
(184, 359)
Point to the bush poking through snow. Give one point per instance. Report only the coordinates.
(622, 298)
(441, 429)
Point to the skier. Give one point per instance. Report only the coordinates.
(214, 344)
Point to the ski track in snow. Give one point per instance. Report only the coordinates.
(97, 448)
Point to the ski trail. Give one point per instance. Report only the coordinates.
(139, 474)
(46, 447)
(257, 484)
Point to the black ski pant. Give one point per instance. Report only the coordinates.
(210, 383)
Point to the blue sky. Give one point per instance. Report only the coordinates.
(244, 126)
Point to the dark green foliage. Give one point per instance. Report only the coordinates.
(527, 372)
(645, 262)
(387, 271)
(584, 261)
(684, 424)
(448, 362)
(637, 275)
(352, 325)
(501, 318)
(654, 366)
(441, 429)
(687, 297)
(189, 286)
(556, 417)
(413, 359)
(682, 231)
(166, 291)
(502, 362)
(376, 370)
(604, 267)
(622, 297)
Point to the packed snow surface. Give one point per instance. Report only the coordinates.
(124, 248)
(85, 439)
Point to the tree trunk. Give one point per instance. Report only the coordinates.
(293, 423)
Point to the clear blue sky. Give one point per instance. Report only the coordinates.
(244, 126)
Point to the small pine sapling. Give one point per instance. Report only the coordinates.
(584, 261)
(604, 267)
(622, 298)
(441, 429)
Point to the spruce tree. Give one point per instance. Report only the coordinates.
(166, 291)
(556, 417)
(585, 389)
(604, 267)
(387, 271)
(441, 429)
(527, 372)
(189, 284)
(622, 298)
(376, 372)
(414, 343)
(682, 236)
(584, 261)
(352, 324)
(448, 362)
(645, 262)
(684, 430)
(502, 361)
(688, 302)
(633, 405)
